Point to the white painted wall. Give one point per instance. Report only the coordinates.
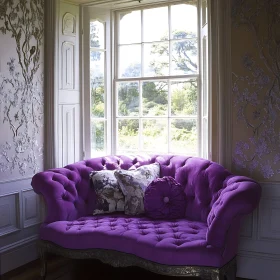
(21, 210)
(21, 133)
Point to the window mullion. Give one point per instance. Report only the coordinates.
(169, 116)
(199, 82)
(140, 138)
(169, 37)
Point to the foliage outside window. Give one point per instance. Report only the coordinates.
(157, 81)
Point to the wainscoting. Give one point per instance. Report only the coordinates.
(259, 247)
(21, 212)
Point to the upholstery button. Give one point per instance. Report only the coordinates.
(166, 199)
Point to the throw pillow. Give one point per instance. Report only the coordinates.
(133, 184)
(109, 196)
(165, 199)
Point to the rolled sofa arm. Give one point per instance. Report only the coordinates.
(240, 196)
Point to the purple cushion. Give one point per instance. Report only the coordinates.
(176, 242)
(165, 199)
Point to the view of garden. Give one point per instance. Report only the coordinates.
(151, 115)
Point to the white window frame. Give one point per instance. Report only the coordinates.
(219, 80)
(168, 78)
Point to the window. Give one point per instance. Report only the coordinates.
(98, 120)
(158, 99)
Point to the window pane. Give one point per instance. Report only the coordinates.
(130, 61)
(97, 31)
(156, 59)
(184, 136)
(128, 137)
(97, 87)
(155, 135)
(130, 27)
(184, 21)
(184, 57)
(155, 24)
(184, 98)
(128, 99)
(98, 140)
(155, 98)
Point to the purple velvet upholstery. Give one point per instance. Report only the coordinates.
(165, 199)
(208, 235)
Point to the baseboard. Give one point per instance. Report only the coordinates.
(17, 254)
(258, 266)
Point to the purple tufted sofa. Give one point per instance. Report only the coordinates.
(204, 243)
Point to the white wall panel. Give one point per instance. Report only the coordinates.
(68, 59)
(247, 227)
(31, 213)
(9, 213)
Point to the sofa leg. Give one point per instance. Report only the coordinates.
(43, 258)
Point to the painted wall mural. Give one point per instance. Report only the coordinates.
(21, 87)
(256, 88)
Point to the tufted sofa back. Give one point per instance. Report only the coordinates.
(68, 194)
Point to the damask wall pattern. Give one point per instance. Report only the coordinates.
(21, 87)
(256, 88)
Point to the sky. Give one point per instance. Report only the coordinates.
(183, 17)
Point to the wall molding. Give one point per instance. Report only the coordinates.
(258, 255)
(220, 82)
(51, 82)
(18, 253)
(258, 266)
(19, 243)
(10, 213)
(16, 180)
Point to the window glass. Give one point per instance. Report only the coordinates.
(161, 115)
(97, 88)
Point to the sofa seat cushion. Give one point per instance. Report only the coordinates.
(174, 242)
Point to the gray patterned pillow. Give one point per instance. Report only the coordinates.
(109, 195)
(133, 184)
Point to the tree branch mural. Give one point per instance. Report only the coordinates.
(256, 95)
(21, 96)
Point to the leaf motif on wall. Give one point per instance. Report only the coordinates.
(21, 91)
(256, 93)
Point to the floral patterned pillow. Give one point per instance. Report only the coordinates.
(109, 195)
(133, 184)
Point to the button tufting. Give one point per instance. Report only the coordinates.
(166, 199)
(159, 238)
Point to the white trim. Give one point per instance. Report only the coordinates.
(18, 253)
(19, 243)
(220, 87)
(16, 180)
(258, 266)
(81, 77)
(51, 82)
(148, 78)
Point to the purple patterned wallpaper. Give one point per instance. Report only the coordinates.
(255, 88)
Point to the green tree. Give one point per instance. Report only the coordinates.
(155, 97)
(183, 54)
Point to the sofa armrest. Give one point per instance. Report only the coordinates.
(240, 196)
(63, 198)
